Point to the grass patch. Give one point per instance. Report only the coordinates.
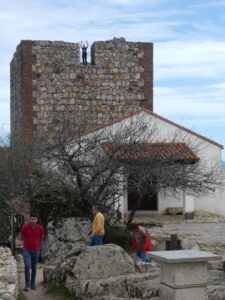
(21, 296)
(58, 292)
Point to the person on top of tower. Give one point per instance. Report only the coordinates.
(84, 52)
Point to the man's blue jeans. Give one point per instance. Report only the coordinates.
(30, 259)
(96, 240)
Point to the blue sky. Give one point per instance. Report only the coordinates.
(189, 48)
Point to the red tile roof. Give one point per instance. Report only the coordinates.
(157, 151)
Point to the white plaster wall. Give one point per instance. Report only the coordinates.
(159, 130)
(214, 202)
(210, 155)
(167, 200)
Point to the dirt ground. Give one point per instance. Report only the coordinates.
(40, 293)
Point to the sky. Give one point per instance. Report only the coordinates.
(189, 49)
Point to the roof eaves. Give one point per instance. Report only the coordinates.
(158, 117)
(183, 128)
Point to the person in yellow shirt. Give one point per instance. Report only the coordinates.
(98, 228)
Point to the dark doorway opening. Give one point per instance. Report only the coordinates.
(149, 200)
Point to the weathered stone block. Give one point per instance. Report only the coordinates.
(184, 274)
(174, 211)
(169, 293)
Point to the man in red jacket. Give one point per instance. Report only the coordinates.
(141, 242)
(32, 234)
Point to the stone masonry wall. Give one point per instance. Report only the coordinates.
(8, 275)
(21, 89)
(48, 79)
(15, 94)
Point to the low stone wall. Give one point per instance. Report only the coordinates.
(8, 275)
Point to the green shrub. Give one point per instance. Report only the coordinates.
(119, 236)
(59, 292)
(21, 296)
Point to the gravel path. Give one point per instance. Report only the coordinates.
(40, 293)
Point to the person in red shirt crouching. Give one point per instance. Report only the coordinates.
(141, 242)
(31, 234)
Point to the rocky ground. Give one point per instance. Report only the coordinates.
(205, 232)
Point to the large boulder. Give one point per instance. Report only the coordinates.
(99, 262)
(106, 270)
(81, 263)
(72, 230)
(69, 235)
(95, 272)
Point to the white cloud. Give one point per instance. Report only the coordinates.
(218, 86)
(188, 104)
(208, 4)
(189, 59)
(189, 47)
(131, 2)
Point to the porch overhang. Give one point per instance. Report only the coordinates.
(163, 152)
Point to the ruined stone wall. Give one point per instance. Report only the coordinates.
(48, 79)
(8, 275)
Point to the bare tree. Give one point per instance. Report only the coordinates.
(15, 167)
(78, 168)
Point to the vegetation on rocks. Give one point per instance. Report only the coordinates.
(59, 292)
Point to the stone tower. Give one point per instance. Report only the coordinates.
(47, 78)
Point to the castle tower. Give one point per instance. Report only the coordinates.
(47, 78)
